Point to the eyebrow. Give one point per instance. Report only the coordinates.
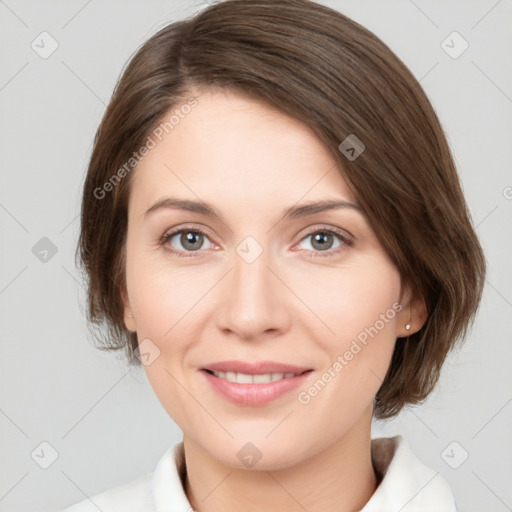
(293, 212)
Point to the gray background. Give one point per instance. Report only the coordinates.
(103, 420)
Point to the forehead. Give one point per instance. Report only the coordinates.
(229, 145)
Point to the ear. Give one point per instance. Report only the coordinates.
(129, 320)
(414, 312)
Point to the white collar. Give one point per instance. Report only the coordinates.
(407, 485)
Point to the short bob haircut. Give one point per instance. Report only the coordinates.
(315, 65)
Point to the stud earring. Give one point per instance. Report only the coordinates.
(407, 327)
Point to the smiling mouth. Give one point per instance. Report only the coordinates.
(245, 378)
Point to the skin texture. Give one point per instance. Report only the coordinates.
(293, 304)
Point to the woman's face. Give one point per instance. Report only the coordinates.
(265, 281)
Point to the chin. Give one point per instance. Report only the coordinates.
(265, 455)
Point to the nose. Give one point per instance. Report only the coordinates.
(254, 302)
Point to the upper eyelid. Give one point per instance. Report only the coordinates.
(326, 227)
(313, 229)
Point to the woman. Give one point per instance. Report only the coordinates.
(272, 224)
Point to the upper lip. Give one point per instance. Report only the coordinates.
(254, 368)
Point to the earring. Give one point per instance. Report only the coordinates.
(407, 327)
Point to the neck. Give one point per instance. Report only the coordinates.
(339, 478)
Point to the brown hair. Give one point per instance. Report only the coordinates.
(322, 68)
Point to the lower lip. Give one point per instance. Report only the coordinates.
(254, 394)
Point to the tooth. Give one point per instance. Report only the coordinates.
(262, 379)
(243, 378)
(230, 376)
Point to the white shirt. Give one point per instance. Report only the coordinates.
(406, 485)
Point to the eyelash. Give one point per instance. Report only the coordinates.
(346, 240)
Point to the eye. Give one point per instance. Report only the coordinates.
(190, 239)
(330, 241)
(323, 240)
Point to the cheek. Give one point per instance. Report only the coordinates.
(164, 298)
(360, 306)
(351, 300)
